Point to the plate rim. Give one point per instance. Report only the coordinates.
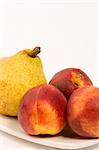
(23, 136)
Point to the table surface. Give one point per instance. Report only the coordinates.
(9, 142)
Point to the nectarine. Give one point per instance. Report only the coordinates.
(70, 79)
(43, 110)
(83, 111)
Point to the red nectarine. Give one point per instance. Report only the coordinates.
(43, 110)
(83, 111)
(70, 79)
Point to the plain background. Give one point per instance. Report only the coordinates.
(66, 32)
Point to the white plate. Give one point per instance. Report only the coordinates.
(66, 140)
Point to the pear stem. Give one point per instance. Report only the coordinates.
(34, 52)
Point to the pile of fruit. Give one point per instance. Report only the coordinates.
(70, 99)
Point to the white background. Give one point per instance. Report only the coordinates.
(66, 32)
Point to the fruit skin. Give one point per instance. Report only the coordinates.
(18, 74)
(83, 111)
(69, 80)
(43, 110)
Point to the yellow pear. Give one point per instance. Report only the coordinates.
(18, 74)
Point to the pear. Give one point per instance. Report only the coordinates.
(18, 74)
